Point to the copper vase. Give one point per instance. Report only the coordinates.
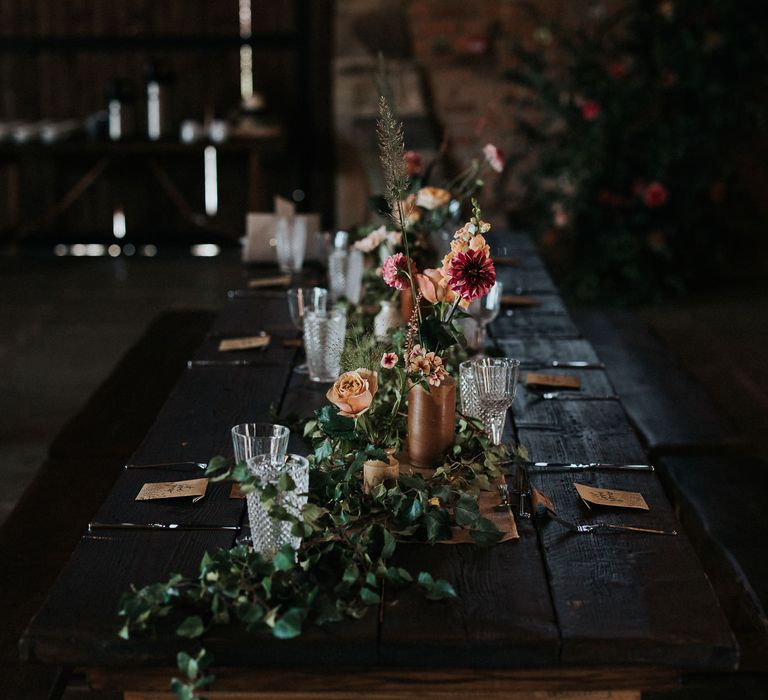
(406, 304)
(431, 423)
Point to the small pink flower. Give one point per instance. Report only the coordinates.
(396, 272)
(493, 157)
(590, 110)
(655, 195)
(388, 360)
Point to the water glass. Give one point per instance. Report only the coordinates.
(259, 440)
(324, 333)
(494, 380)
(483, 311)
(291, 239)
(268, 534)
(305, 299)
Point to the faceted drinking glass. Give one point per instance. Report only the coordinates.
(483, 311)
(252, 440)
(269, 534)
(495, 381)
(324, 333)
(299, 302)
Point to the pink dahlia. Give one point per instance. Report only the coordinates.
(493, 157)
(396, 271)
(472, 274)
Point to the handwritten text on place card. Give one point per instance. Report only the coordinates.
(249, 343)
(611, 497)
(194, 488)
(561, 381)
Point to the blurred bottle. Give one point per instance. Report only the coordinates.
(120, 109)
(337, 266)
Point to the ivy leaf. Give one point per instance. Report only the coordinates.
(289, 625)
(324, 450)
(285, 559)
(216, 465)
(466, 511)
(191, 628)
(438, 524)
(485, 533)
(369, 597)
(436, 590)
(334, 425)
(389, 545)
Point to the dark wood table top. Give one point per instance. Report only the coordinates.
(551, 598)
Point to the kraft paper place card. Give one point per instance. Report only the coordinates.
(559, 381)
(284, 207)
(293, 343)
(506, 261)
(540, 499)
(611, 497)
(236, 491)
(248, 343)
(518, 300)
(274, 281)
(173, 489)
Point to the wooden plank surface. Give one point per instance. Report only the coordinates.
(549, 599)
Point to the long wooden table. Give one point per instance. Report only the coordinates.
(550, 612)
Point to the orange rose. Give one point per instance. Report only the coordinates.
(353, 392)
(434, 286)
(432, 197)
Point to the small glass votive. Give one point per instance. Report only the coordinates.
(291, 240)
(324, 333)
(259, 440)
(268, 534)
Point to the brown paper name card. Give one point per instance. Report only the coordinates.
(249, 343)
(611, 497)
(518, 300)
(561, 381)
(275, 281)
(173, 489)
(236, 491)
(293, 343)
(506, 261)
(540, 499)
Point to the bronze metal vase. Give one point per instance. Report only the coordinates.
(431, 423)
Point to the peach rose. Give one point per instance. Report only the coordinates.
(432, 197)
(353, 392)
(434, 286)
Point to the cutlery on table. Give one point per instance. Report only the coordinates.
(223, 363)
(566, 396)
(160, 526)
(603, 527)
(549, 467)
(163, 465)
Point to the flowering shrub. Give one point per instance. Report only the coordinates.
(642, 126)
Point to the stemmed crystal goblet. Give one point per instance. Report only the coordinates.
(300, 301)
(483, 311)
(495, 381)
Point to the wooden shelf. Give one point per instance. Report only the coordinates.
(158, 42)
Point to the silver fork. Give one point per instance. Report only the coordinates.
(163, 465)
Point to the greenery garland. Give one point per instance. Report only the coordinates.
(348, 543)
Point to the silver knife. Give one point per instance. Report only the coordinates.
(543, 467)
(576, 364)
(159, 526)
(223, 363)
(565, 396)
(163, 465)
